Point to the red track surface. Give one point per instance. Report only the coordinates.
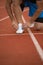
(18, 49)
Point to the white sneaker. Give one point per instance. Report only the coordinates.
(20, 29)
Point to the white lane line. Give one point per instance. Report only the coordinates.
(37, 46)
(38, 33)
(4, 18)
(2, 35)
(12, 34)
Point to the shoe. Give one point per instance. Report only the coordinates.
(20, 29)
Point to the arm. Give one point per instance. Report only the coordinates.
(40, 8)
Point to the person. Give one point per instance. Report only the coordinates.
(37, 15)
(16, 7)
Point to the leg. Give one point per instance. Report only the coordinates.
(17, 11)
(18, 14)
(9, 11)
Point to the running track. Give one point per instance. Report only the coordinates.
(19, 49)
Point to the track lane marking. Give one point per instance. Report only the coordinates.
(4, 18)
(10, 34)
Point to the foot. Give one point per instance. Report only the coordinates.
(20, 29)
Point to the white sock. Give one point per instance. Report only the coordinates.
(20, 29)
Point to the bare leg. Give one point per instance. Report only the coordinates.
(18, 13)
(9, 11)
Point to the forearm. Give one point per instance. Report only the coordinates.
(36, 14)
(38, 11)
